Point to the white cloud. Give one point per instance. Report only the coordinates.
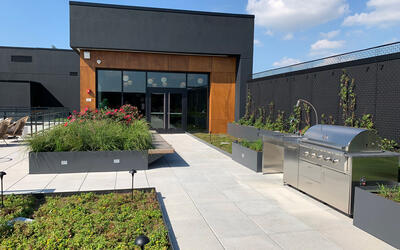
(325, 44)
(286, 61)
(330, 34)
(288, 36)
(258, 43)
(383, 13)
(292, 15)
(269, 32)
(325, 47)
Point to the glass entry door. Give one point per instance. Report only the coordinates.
(157, 114)
(167, 110)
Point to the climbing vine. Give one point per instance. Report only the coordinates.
(347, 100)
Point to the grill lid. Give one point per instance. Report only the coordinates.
(348, 139)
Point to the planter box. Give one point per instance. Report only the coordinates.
(377, 216)
(171, 236)
(247, 157)
(91, 161)
(269, 133)
(244, 132)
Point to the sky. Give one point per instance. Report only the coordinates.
(286, 31)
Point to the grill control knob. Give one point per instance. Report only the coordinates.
(335, 160)
(327, 158)
(313, 155)
(306, 153)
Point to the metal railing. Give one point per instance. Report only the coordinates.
(382, 50)
(40, 118)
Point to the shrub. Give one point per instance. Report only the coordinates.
(94, 135)
(126, 114)
(254, 145)
(392, 193)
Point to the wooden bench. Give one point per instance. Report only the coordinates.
(161, 148)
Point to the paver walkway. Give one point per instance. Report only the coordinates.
(211, 201)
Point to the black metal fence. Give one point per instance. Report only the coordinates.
(40, 118)
(377, 88)
(377, 51)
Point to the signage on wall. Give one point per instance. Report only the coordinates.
(88, 99)
(86, 55)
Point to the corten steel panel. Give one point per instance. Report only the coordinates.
(111, 27)
(388, 99)
(222, 79)
(49, 67)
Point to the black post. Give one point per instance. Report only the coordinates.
(141, 241)
(2, 173)
(132, 172)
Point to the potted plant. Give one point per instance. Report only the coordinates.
(377, 210)
(248, 153)
(93, 141)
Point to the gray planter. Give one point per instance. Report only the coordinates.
(377, 216)
(244, 132)
(247, 157)
(166, 221)
(91, 161)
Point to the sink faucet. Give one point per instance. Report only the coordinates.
(312, 106)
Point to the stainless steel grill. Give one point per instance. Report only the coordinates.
(335, 159)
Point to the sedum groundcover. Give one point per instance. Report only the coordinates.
(82, 221)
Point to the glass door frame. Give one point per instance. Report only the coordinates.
(167, 92)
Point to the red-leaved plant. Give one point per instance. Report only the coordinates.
(126, 114)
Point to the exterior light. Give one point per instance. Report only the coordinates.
(312, 106)
(2, 173)
(132, 172)
(88, 91)
(141, 241)
(98, 61)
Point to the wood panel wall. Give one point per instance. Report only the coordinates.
(222, 77)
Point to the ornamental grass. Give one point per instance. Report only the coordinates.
(94, 135)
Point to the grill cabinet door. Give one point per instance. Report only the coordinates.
(336, 189)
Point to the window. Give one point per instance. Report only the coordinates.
(166, 80)
(134, 82)
(197, 80)
(21, 58)
(134, 89)
(109, 88)
(197, 101)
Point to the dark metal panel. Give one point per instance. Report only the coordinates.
(387, 99)
(17, 93)
(50, 68)
(144, 29)
(377, 92)
(365, 82)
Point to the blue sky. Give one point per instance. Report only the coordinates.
(286, 31)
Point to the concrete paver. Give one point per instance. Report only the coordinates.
(211, 201)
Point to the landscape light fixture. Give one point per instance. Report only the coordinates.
(312, 106)
(141, 241)
(132, 172)
(2, 173)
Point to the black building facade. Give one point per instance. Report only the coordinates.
(37, 77)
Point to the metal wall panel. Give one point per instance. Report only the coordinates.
(377, 88)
